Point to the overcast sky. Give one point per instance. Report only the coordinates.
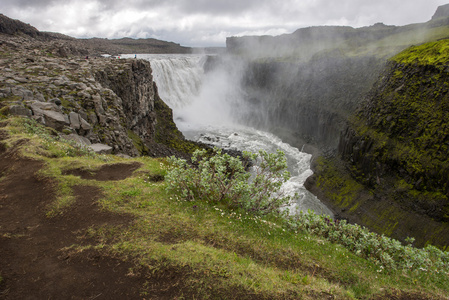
(199, 23)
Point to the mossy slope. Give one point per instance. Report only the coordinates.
(396, 146)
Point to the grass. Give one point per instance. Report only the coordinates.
(219, 253)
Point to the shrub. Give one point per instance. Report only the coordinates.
(386, 252)
(221, 178)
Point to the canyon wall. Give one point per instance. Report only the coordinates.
(394, 168)
(308, 102)
(376, 119)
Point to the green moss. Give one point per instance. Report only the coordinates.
(166, 131)
(398, 74)
(339, 186)
(138, 143)
(67, 104)
(398, 148)
(4, 111)
(12, 98)
(435, 53)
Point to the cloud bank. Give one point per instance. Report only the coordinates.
(199, 23)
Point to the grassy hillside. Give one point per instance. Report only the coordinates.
(199, 250)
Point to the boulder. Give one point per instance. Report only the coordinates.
(26, 94)
(85, 125)
(36, 105)
(75, 122)
(53, 119)
(80, 140)
(56, 101)
(19, 110)
(98, 104)
(101, 148)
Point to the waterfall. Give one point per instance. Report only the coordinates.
(178, 77)
(207, 107)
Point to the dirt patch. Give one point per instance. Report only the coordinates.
(156, 178)
(106, 172)
(3, 136)
(32, 265)
(85, 211)
(398, 295)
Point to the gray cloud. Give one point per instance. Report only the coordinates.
(207, 22)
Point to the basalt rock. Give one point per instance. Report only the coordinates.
(95, 101)
(10, 26)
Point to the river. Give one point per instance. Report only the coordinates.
(206, 108)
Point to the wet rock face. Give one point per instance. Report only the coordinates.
(309, 100)
(96, 99)
(403, 128)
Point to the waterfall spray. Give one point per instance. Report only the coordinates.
(207, 107)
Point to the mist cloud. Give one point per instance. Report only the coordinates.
(206, 22)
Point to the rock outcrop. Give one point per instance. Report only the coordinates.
(442, 12)
(106, 104)
(12, 27)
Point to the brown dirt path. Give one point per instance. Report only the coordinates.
(32, 265)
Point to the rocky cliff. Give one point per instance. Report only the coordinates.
(108, 104)
(442, 12)
(395, 151)
(306, 87)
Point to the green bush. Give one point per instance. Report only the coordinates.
(388, 253)
(223, 179)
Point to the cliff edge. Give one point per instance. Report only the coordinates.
(110, 105)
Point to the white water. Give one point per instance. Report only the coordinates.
(202, 106)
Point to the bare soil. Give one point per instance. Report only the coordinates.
(33, 263)
(106, 172)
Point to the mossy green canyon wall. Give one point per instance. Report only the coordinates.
(394, 173)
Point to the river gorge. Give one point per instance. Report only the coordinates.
(209, 107)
